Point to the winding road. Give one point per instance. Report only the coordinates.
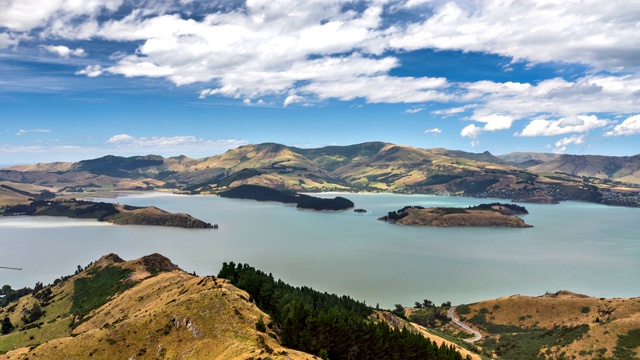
(477, 337)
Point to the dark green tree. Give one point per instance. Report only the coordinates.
(7, 326)
(260, 326)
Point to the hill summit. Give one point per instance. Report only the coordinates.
(146, 308)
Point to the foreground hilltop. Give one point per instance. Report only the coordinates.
(373, 166)
(142, 309)
(151, 309)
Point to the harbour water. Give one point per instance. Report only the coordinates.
(582, 247)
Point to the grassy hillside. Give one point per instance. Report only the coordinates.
(556, 326)
(150, 309)
(143, 309)
(614, 168)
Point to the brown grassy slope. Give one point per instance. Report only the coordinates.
(151, 215)
(438, 217)
(606, 318)
(620, 168)
(48, 167)
(170, 315)
(9, 197)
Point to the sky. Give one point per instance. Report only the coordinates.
(81, 79)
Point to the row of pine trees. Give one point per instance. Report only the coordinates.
(328, 325)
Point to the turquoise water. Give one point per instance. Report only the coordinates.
(582, 247)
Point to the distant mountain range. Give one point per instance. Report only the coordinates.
(372, 166)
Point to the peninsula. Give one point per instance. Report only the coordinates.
(112, 213)
(495, 214)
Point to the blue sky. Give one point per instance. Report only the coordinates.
(82, 79)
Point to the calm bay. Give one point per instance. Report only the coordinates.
(582, 247)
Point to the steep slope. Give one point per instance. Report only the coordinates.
(269, 164)
(143, 309)
(618, 168)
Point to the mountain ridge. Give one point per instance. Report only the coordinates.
(371, 166)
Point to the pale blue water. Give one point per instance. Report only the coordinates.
(582, 247)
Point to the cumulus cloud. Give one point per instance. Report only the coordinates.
(434, 131)
(22, 132)
(521, 30)
(292, 99)
(578, 124)
(631, 126)
(25, 15)
(492, 122)
(63, 51)
(309, 50)
(471, 131)
(91, 71)
(561, 145)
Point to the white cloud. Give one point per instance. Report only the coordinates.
(91, 71)
(578, 124)
(414, 110)
(25, 15)
(125, 143)
(21, 132)
(382, 89)
(317, 49)
(291, 99)
(492, 122)
(451, 111)
(631, 126)
(520, 29)
(471, 131)
(434, 131)
(574, 139)
(7, 40)
(173, 141)
(63, 51)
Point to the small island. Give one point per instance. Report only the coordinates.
(495, 214)
(108, 212)
(262, 193)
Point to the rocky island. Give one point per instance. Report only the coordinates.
(263, 193)
(112, 213)
(495, 214)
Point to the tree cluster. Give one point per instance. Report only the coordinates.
(328, 325)
(11, 295)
